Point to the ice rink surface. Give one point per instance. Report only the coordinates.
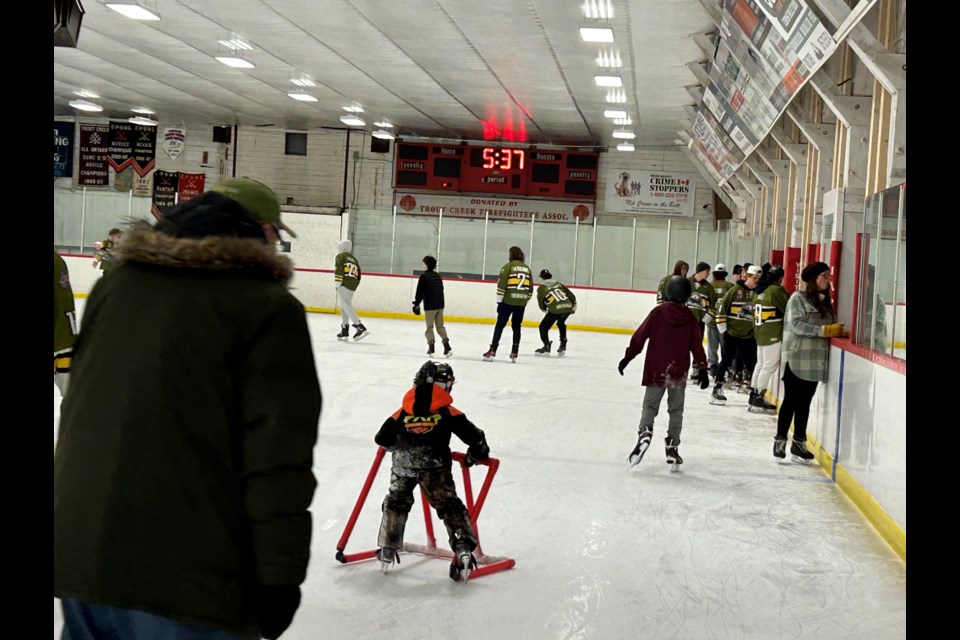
(735, 546)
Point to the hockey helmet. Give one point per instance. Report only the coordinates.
(678, 289)
(775, 273)
(437, 373)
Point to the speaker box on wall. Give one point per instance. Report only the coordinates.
(221, 134)
(379, 145)
(67, 16)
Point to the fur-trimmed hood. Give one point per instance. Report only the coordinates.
(144, 244)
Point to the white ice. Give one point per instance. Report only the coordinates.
(733, 546)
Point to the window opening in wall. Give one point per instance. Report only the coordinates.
(296, 144)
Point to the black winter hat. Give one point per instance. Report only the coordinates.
(702, 266)
(545, 274)
(813, 270)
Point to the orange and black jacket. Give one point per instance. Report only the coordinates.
(419, 432)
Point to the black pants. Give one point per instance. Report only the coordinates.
(505, 311)
(744, 349)
(795, 407)
(442, 496)
(547, 323)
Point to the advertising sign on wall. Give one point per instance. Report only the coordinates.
(496, 207)
(657, 193)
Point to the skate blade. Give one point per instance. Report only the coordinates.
(447, 355)
(361, 336)
(560, 354)
(674, 468)
(513, 360)
(538, 353)
(799, 460)
(635, 458)
(487, 359)
(719, 403)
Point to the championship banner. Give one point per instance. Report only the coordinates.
(497, 208)
(191, 185)
(123, 180)
(144, 150)
(174, 140)
(120, 155)
(166, 185)
(657, 193)
(94, 147)
(143, 186)
(63, 149)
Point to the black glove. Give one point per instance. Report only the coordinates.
(623, 365)
(469, 460)
(703, 377)
(275, 607)
(416, 309)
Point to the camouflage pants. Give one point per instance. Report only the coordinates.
(441, 494)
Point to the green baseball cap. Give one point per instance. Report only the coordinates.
(257, 198)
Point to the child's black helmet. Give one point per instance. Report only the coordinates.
(438, 373)
(678, 289)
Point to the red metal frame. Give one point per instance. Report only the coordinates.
(485, 564)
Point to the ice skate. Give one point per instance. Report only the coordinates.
(387, 558)
(513, 353)
(430, 349)
(759, 404)
(779, 447)
(717, 396)
(361, 332)
(673, 455)
(544, 350)
(562, 349)
(643, 442)
(799, 452)
(463, 563)
(490, 354)
(447, 350)
(713, 370)
(344, 332)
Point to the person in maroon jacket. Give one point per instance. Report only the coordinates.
(674, 334)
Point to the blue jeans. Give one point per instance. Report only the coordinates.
(83, 621)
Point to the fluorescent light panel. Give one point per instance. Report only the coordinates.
(83, 105)
(608, 81)
(598, 9)
(142, 110)
(236, 63)
(353, 121)
(609, 60)
(354, 109)
(614, 113)
(236, 43)
(622, 121)
(83, 93)
(144, 121)
(135, 11)
(383, 125)
(596, 34)
(304, 82)
(625, 146)
(625, 135)
(302, 97)
(616, 96)
(383, 135)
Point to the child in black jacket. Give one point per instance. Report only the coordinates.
(418, 435)
(430, 293)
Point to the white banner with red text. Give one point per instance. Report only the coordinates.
(496, 207)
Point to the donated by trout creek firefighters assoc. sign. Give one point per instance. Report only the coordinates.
(656, 193)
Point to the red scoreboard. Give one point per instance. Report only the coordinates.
(521, 171)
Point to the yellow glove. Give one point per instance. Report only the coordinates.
(834, 330)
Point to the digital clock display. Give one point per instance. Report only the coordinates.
(498, 158)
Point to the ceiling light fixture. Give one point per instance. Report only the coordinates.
(354, 109)
(135, 9)
(83, 105)
(83, 93)
(352, 121)
(302, 97)
(596, 34)
(598, 10)
(614, 113)
(143, 110)
(622, 121)
(236, 62)
(236, 42)
(147, 122)
(383, 135)
(383, 125)
(609, 60)
(304, 82)
(625, 146)
(616, 96)
(624, 134)
(604, 80)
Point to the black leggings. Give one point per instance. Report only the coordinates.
(743, 349)
(797, 395)
(505, 311)
(547, 323)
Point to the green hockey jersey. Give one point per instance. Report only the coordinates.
(736, 311)
(703, 300)
(768, 312)
(662, 288)
(348, 271)
(555, 298)
(515, 285)
(720, 288)
(64, 316)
